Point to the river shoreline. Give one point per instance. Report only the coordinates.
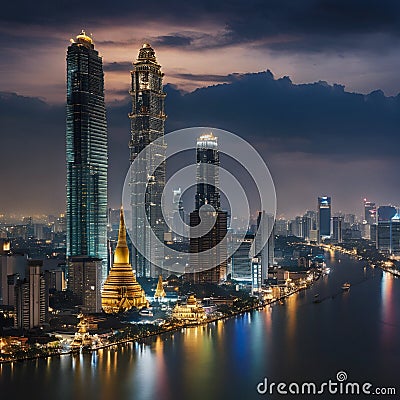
(258, 307)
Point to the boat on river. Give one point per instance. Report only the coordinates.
(346, 286)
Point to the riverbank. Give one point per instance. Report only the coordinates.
(162, 330)
(373, 259)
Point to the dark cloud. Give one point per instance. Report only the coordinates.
(308, 25)
(190, 41)
(311, 16)
(173, 41)
(122, 66)
(315, 118)
(315, 136)
(204, 77)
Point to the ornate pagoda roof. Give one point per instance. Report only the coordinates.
(121, 290)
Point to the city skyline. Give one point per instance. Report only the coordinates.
(199, 199)
(337, 142)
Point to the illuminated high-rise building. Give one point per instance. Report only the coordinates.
(369, 212)
(147, 124)
(87, 159)
(386, 213)
(388, 230)
(241, 258)
(324, 216)
(207, 163)
(211, 268)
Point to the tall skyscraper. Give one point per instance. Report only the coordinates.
(207, 163)
(241, 259)
(265, 234)
(147, 124)
(256, 275)
(369, 212)
(324, 216)
(211, 268)
(87, 159)
(296, 226)
(281, 227)
(337, 229)
(31, 298)
(386, 213)
(306, 223)
(395, 235)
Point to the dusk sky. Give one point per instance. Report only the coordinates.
(314, 85)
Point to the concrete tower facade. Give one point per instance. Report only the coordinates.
(211, 268)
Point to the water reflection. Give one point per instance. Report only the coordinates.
(291, 307)
(268, 320)
(356, 331)
(387, 308)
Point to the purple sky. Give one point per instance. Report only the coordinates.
(317, 138)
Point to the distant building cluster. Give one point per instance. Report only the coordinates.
(378, 224)
(24, 287)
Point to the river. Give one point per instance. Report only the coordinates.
(356, 332)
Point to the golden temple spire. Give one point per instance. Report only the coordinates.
(160, 292)
(121, 255)
(121, 290)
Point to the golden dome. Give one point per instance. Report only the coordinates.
(83, 40)
(83, 37)
(147, 54)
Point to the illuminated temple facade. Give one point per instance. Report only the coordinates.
(191, 311)
(121, 290)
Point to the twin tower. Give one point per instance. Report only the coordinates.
(87, 153)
